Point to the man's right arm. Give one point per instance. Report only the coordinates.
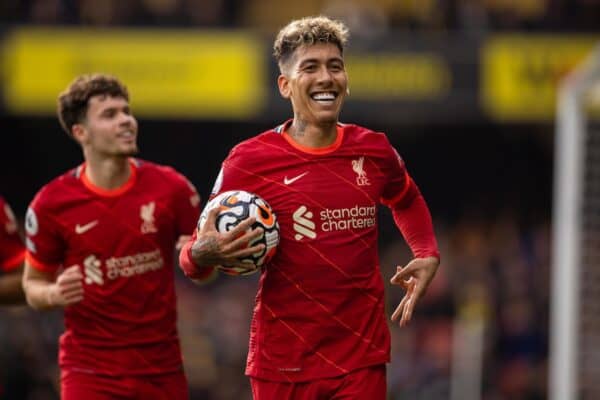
(209, 248)
(43, 291)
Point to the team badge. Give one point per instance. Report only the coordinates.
(147, 215)
(361, 175)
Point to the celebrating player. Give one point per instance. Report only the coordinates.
(319, 328)
(12, 254)
(101, 241)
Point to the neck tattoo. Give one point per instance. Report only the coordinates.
(300, 128)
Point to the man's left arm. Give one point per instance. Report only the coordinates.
(412, 217)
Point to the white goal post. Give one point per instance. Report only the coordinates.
(574, 358)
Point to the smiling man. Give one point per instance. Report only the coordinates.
(100, 243)
(319, 329)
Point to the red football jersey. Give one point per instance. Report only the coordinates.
(319, 310)
(12, 251)
(123, 240)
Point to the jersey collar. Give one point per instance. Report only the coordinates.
(133, 165)
(283, 130)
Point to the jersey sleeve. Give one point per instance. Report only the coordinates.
(236, 170)
(45, 246)
(399, 187)
(12, 251)
(189, 268)
(409, 209)
(187, 205)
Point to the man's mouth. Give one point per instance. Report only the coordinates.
(324, 97)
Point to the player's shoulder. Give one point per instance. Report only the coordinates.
(360, 134)
(151, 171)
(249, 147)
(59, 189)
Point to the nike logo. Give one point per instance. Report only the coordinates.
(287, 181)
(79, 229)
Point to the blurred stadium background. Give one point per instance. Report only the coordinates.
(465, 90)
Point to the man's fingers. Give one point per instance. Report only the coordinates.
(71, 269)
(400, 308)
(183, 239)
(71, 289)
(408, 311)
(241, 227)
(241, 265)
(211, 218)
(71, 276)
(401, 274)
(243, 240)
(73, 295)
(247, 251)
(73, 300)
(71, 273)
(69, 286)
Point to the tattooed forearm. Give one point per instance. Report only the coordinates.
(204, 250)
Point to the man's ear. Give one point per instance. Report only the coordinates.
(78, 131)
(284, 86)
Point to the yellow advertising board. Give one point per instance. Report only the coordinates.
(520, 74)
(169, 73)
(412, 76)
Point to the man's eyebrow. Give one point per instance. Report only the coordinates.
(316, 60)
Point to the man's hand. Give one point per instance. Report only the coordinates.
(181, 241)
(213, 248)
(415, 278)
(68, 288)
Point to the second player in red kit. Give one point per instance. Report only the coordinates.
(101, 242)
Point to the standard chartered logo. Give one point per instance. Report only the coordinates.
(303, 224)
(92, 271)
(121, 267)
(351, 218)
(333, 219)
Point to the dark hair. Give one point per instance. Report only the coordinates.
(73, 102)
(308, 31)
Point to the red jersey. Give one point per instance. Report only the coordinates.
(12, 251)
(123, 241)
(320, 308)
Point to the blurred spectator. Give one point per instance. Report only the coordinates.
(365, 17)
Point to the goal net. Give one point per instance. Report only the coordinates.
(574, 363)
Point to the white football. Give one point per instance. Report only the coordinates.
(236, 206)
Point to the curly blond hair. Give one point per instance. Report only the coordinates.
(308, 31)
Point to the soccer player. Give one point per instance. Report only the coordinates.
(12, 254)
(319, 328)
(100, 243)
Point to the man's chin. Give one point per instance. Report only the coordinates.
(328, 119)
(129, 152)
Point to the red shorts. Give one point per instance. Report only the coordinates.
(367, 383)
(79, 385)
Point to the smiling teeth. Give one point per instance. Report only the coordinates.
(324, 96)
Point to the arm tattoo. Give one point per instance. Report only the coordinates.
(207, 245)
